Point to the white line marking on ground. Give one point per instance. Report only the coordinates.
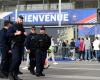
(82, 63)
(74, 77)
(75, 68)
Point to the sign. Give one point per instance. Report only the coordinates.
(45, 17)
(52, 17)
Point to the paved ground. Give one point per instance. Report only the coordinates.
(83, 70)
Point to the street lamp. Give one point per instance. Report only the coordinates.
(59, 13)
(98, 18)
(98, 12)
(43, 4)
(98, 15)
(98, 3)
(16, 11)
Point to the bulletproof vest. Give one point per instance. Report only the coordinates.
(19, 38)
(43, 41)
(33, 40)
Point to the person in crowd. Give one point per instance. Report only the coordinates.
(77, 43)
(87, 49)
(17, 34)
(96, 46)
(67, 49)
(31, 46)
(51, 54)
(64, 51)
(44, 42)
(59, 46)
(5, 50)
(82, 49)
(93, 56)
(72, 49)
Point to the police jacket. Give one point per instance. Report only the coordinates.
(4, 40)
(31, 41)
(18, 39)
(44, 42)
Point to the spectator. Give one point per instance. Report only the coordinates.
(96, 45)
(72, 49)
(87, 49)
(77, 44)
(82, 49)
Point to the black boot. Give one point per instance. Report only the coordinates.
(32, 72)
(11, 76)
(37, 74)
(17, 78)
(42, 74)
(6, 74)
(2, 75)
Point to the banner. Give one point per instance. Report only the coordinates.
(52, 17)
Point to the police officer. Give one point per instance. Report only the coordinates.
(31, 46)
(44, 43)
(4, 50)
(17, 34)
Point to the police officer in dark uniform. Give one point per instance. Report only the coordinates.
(44, 43)
(17, 34)
(4, 50)
(31, 43)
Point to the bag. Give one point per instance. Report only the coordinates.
(49, 51)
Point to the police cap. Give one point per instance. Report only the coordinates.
(42, 28)
(6, 22)
(33, 27)
(21, 17)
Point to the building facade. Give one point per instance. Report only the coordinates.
(11, 5)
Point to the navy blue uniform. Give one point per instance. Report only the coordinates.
(17, 46)
(44, 43)
(4, 48)
(31, 44)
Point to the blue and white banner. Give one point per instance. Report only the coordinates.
(51, 18)
(44, 17)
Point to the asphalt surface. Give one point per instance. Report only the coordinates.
(71, 70)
